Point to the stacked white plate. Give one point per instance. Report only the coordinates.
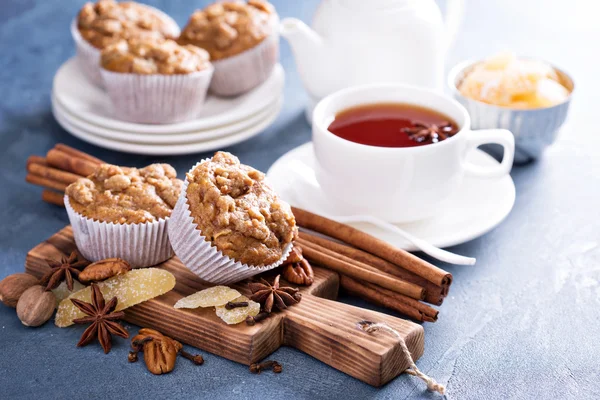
(85, 111)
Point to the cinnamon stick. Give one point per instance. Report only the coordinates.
(372, 245)
(45, 182)
(61, 160)
(77, 153)
(391, 300)
(430, 314)
(36, 160)
(346, 266)
(433, 294)
(52, 173)
(52, 197)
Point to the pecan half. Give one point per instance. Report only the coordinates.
(160, 351)
(300, 273)
(104, 269)
(295, 256)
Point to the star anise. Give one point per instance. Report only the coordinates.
(269, 295)
(63, 270)
(421, 132)
(102, 318)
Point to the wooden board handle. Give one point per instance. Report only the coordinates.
(327, 330)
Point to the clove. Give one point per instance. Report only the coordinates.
(197, 359)
(257, 368)
(233, 304)
(137, 347)
(250, 320)
(132, 356)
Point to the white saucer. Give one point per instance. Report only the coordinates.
(171, 138)
(166, 149)
(91, 104)
(478, 205)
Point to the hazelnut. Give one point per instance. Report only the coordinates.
(36, 306)
(104, 269)
(13, 286)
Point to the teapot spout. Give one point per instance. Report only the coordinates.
(302, 38)
(308, 49)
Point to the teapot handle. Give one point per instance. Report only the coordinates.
(455, 11)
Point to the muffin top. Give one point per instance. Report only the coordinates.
(229, 28)
(162, 56)
(238, 211)
(126, 195)
(107, 22)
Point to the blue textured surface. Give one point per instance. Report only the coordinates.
(523, 323)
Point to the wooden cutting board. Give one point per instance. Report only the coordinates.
(318, 325)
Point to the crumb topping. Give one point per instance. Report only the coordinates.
(238, 211)
(126, 195)
(229, 28)
(154, 57)
(106, 22)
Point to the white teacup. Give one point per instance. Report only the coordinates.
(399, 184)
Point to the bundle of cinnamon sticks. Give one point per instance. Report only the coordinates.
(62, 166)
(369, 267)
(373, 269)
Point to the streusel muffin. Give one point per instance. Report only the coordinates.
(105, 22)
(242, 39)
(123, 212)
(156, 81)
(229, 223)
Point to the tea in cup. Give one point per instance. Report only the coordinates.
(398, 152)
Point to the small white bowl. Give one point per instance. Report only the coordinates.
(534, 129)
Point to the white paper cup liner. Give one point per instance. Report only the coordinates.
(141, 245)
(240, 73)
(157, 99)
(88, 57)
(200, 256)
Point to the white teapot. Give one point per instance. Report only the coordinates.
(355, 42)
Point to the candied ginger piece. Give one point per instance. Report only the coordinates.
(130, 289)
(62, 291)
(238, 314)
(551, 92)
(211, 297)
(499, 61)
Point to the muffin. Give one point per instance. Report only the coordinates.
(123, 212)
(228, 223)
(155, 81)
(243, 42)
(106, 22)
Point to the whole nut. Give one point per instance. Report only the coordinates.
(104, 269)
(13, 286)
(36, 306)
(300, 273)
(160, 351)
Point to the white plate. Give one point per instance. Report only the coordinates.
(478, 205)
(163, 149)
(173, 138)
(92, 104)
